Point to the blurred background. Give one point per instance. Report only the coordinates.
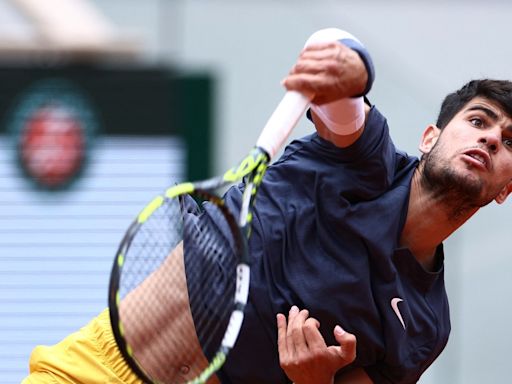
(105, 103)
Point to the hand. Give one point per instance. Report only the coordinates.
(330, 71)
(303, 354)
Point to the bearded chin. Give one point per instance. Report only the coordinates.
(461, 193)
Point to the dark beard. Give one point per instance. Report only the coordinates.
(460, 194)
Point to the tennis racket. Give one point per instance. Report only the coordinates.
(189, 233)
(180, 280)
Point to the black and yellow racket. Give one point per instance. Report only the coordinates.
(180, 280)
(186, 252)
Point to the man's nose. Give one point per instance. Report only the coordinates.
(490, 140)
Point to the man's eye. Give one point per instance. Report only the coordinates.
(508, 142)
(477, 122)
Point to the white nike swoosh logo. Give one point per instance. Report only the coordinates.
(394, 305)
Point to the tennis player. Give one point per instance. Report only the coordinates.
(409, 207)
(350, 228)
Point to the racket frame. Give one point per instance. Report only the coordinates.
(252, 168)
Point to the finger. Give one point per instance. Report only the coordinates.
(297, 319)
(322, 61)
(312, 334)
(325, 58)
(302, 82)
(293, 317)
(335, 56)
(297, 336)
(329, 66)
(294, 311)
(321, 46)
(314, 85)
(292, 314)
(347, 345)
(281, 336)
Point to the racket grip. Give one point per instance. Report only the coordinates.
(282, 121)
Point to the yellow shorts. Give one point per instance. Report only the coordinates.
(87, 356)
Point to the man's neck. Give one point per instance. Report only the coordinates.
(428, 223)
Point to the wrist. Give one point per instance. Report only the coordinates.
(366, 59)
(342, 117)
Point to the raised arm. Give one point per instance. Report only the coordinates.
(339, 74)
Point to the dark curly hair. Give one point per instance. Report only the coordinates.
(498, 91)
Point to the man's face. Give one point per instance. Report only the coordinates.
(471, 161)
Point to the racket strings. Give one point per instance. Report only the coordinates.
(211, 279)
(150, 248)
(160, 234)
(209, 260)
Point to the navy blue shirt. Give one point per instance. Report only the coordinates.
(326, 232)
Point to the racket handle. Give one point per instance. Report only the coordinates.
(294, 104)
(282, 121)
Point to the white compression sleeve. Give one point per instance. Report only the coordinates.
(342, 117)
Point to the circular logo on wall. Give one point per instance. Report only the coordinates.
(53, 125)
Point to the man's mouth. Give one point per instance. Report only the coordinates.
(479, 158)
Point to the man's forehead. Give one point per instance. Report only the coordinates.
(492, 109)
(482, 103)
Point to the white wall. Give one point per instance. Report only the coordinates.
(422, 50)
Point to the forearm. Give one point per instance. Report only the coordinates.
(339, 140)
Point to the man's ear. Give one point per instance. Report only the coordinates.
(429, 138)
(502, 196)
